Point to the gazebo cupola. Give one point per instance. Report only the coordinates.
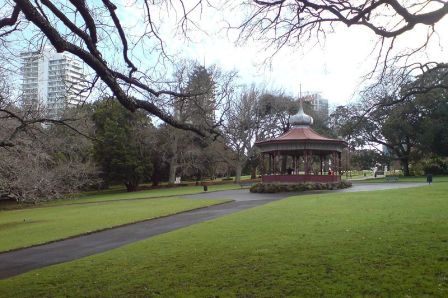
(301, 154)
(301, 119)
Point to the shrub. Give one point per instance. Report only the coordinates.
(435, 165)
(276, 187)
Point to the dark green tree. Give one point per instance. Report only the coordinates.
(410, 120)
(123, 146)
(429, 92)
(320, 124)
(274, 110)
(199, 108)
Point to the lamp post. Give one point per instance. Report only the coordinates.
(347, 162)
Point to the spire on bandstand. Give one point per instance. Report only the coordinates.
(301, 119)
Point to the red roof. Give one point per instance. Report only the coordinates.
(301, 134)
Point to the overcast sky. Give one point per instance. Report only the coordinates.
(334, 67)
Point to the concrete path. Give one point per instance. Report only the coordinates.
(244, 195)
(360, 186)
(23, 260)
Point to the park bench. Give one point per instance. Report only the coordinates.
(245, 184)
(391, 178)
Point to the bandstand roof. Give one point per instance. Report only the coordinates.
(301, 137)
(300, 134)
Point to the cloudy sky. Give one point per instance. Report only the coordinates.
(334, 67)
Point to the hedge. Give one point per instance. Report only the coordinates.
(274, 187)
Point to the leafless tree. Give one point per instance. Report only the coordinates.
(276, 108)
(401, 84)
(100, 35)
(293, 22)
(18, 120)
(43, 162)
(41, 158)
(29, 173)
(94, 32)
(183, 150)
(241, 128)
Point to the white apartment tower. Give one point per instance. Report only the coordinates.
(319, 104)
(52, 79)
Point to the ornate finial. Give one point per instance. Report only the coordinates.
(301, 119)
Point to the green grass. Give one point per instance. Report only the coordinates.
(153, 193)
(116, 193)
(21, 228)
(372, 244)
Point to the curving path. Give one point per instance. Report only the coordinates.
(23, 260)
(244, 195)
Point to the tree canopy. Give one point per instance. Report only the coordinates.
(123, 144)
(409, 125)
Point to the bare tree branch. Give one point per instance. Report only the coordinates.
(85, 48)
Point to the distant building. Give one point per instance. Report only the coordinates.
(386, 150)
(319, 105)
(52, 79)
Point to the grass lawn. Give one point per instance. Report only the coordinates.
(116, 193)
(21, 228)
(153, 193)
(436, 179)
(386, 243)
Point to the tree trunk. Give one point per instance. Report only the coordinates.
(405, 165)
(238, 171)
(173, 159)
(131, 186)
(173, 168)
(253, 174)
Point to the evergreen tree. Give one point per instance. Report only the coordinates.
(123, 144)
(199, 108)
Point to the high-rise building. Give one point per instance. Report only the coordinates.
(52, 79)
(318, 104)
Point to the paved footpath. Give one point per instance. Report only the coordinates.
(23, 260)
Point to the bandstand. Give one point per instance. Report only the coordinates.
(301, 154)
